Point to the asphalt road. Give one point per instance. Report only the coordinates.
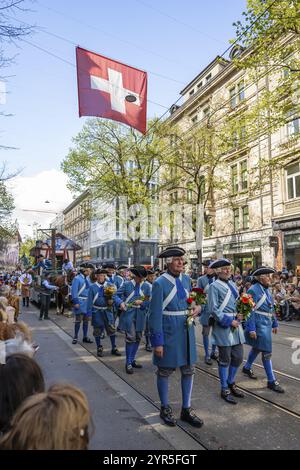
(124, 408)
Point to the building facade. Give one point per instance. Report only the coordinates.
(109, 239)
(253, 219)
(77, 225)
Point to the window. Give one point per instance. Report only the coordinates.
(239, 177)
(236, 220)
(244, 175)
(206, 112)
(237, 94)
(189, 195)
(200, 85)
(194, 119)
(234, 179)
(208, 78)
(207, 227)
(293, 181)
(245, 215)
(293, 126)
(233, 100)
(241, 91)
(192, 92)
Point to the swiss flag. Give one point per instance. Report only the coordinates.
(109, 89)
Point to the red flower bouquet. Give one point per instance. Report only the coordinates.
(244, 305)
(199, 296)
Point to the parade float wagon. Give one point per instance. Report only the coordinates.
(55, 247)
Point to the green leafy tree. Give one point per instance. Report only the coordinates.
(111, 161)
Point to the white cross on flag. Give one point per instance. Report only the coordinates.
(112, 90)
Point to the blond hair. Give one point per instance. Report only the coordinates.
(56, 420)
(10, 330)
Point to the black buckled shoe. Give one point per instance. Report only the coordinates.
(250, 373)
(214, 356)
(100, 351)
(87, 340)
(189, 416)
(208, 361)
(136, 365)
(116, 352)
(74, 341)
(275, 387)
(129, 369)
(226, 395)
(166, 415)
(235, 392)
(148, 348)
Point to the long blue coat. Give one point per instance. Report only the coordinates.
(259, 323)
(116, 279)
(222, 333)
(170, 331)
(128, 293)
(79, 293)
(204, 282)
(95, 299)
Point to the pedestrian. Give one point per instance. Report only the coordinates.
(206, 319)
(172, 336)
(45, 296)
(25, 281)
(20, 377)
(55, 420)
(67, 266)
(135, 296)
(260, 325)
(79, 293)
(100, 309)
(149, 281)
(227, 331)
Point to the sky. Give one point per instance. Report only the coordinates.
(172, 40)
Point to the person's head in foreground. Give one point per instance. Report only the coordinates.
(56, 420)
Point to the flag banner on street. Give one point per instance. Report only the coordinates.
(110, 89)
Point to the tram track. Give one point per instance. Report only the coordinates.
(204, 371)
(283, 374)
(253, 394)
(211, 375)
(192, 435)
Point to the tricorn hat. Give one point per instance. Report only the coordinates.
(220, 263)
(263, 270)
(172, 251)
(108, 266)
(87, 266)
(100, 271)
(139, 271)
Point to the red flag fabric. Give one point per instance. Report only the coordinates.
(112, 90)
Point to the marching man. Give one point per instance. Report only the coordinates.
(135, 295)
(25, 281)
(150, 279)
(260, 325)
(204, 282)
(173, 339)
(79, 294)
(227, 331)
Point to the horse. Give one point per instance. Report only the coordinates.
(63, 282)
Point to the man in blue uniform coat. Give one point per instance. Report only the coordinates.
(205, 319)
(260, 325)
(135, 295)
(79, 294)
(150, 279)
(101, 312)
(172, 336)
(112, 276)
(227, 332)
